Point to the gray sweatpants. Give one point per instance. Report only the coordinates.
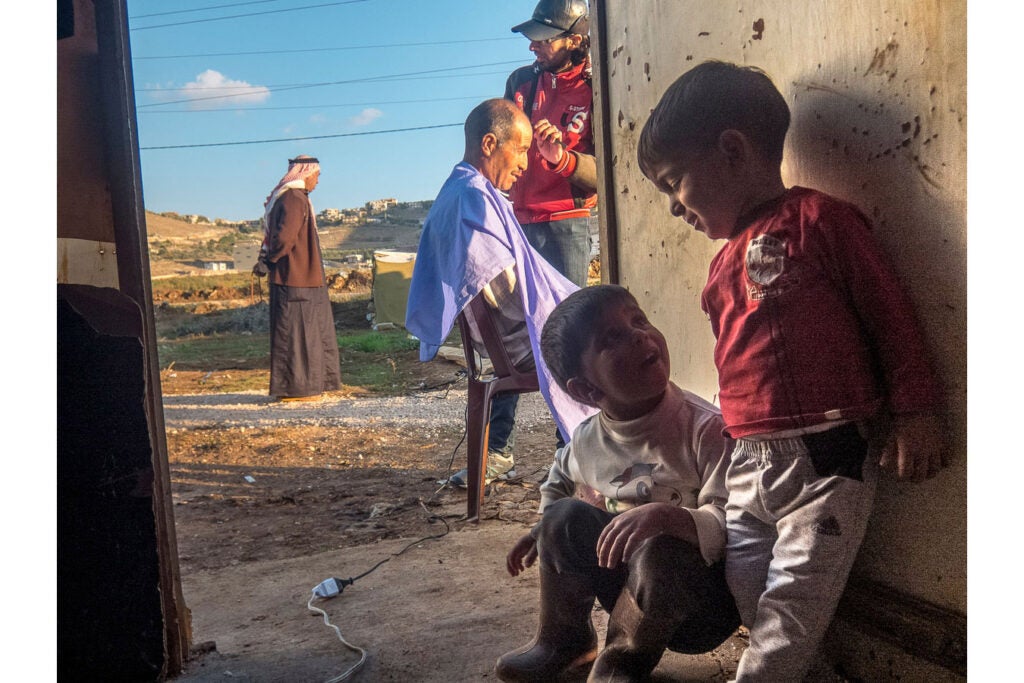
(795, 518)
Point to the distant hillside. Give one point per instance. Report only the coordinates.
(161, 227)
(177, 247)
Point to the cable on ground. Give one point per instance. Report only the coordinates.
(332, 587)
(362, 653)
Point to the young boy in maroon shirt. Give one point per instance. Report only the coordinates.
(823, 371)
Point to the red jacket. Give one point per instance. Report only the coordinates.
(811, 322)
(566, 100)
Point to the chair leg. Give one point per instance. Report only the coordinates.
(476, 448)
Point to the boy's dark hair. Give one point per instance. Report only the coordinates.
(572, 325)
(710, 98)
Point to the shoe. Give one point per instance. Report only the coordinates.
(499, 467)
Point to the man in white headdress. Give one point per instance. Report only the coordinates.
(303, 344)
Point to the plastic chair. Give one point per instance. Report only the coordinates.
(506, 379)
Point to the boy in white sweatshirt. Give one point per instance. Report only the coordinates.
(653, 554)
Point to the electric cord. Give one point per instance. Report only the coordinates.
(444, 481)
(355, 648)
(332, 587)
(446, 385)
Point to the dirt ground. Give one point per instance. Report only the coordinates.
(265, 510)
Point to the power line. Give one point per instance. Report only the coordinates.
(326, 49)
(252, 14)
(274, 87)
(318, 85)
(318, 106)
(201, 9)
(308, 137)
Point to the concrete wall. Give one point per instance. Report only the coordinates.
(877, 91)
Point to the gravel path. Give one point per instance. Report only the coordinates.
(425, 410)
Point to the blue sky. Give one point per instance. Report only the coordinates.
(305, 69)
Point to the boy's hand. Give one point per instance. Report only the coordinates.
(522, 555)
(549, 141)
(916, 449)
(626, 532)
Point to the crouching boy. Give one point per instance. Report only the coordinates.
(653, 555)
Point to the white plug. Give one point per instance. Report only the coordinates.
(327, 588)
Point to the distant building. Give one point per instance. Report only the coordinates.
(378, 205)
(330, 216)
(340, 216)
(216, 265)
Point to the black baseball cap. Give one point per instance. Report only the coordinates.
(552, 18)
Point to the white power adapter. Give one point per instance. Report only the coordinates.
(327, 588)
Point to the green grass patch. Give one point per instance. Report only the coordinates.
(385, 341)
(371, 372)
(215, 352)
(241, 350)
(367, 358)
(220, 341)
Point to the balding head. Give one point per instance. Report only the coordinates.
(498, 136)
(497, 116)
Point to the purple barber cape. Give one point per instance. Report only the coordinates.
(469, 237)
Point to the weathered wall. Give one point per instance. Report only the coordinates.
(878, 95)
(86, 252)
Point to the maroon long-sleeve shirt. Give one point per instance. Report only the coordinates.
(811, 321)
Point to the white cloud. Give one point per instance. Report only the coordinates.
(213, 90)
(366, 117)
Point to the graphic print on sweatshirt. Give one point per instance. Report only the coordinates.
(769, 271)
(638, 484)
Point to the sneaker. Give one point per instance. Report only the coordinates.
(499, 467)
(458, 479)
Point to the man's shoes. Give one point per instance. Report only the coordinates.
(458, 480)
(499, 468)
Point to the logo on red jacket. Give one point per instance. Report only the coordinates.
(576, 123)
(767, 266)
